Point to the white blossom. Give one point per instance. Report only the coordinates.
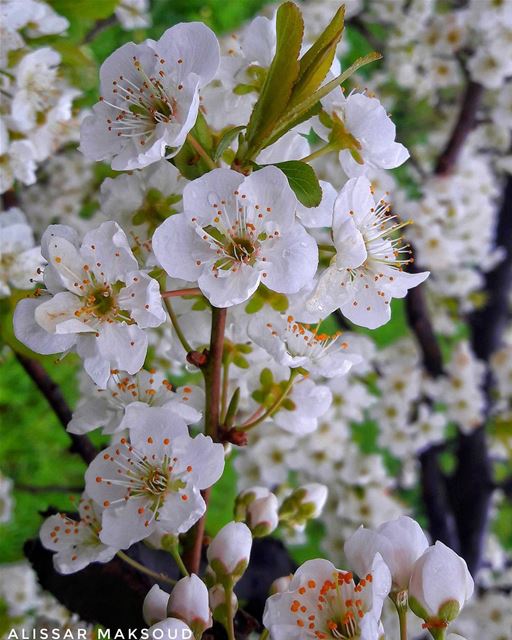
(323, 602)
(236, 232)
(150, 97)
(76, 542)
(20, 259)
(367, 270)
(154, 478)
(97, 301)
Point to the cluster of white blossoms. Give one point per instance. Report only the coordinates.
(324, 602)
(36, 105)
(453, 235)
(479, 30)
(64, 191)
(247, 214)
(27, 609)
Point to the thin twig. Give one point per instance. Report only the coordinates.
(51, 391)
(197, 146)
(178, 293)
(176, 326)
(98, 27)
(360, 26)
(161, 577)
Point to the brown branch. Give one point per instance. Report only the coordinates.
(457, 508)
(212, 372)
(418, 318)
(435, 498)
(51, 391)
(360, 26)
(472, 485)
(463, 127)
(98, 27)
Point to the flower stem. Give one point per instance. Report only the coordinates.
(175, 552)
(201, 151)
(318, 153)
(264, 634)
(193, 291)
(176, 326)
(161, 577)
(274, 407)
(230, 616)
(400, 601)
(402, 619)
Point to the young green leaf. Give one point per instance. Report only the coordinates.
(303, 181)
(316, 62)
(295, 115)
(280, 79)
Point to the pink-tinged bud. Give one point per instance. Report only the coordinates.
(440, 585)
(189, 602)
(400, 542)
(263, 515)
(280, 584)
(228, 553)
(154, 607)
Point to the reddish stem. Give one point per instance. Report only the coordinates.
(192, 291)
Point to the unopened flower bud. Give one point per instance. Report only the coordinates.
(400, 542)
(228, 553)
(440, 585)
(305, 503)
(263, 516)
(170, 628)
(280, 584)
(247, 497)
(189, 602)
(154, 607)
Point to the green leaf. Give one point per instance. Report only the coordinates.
(302, 179)
(316, 62)
(226, 140)
(281, 77)
(84, 9)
